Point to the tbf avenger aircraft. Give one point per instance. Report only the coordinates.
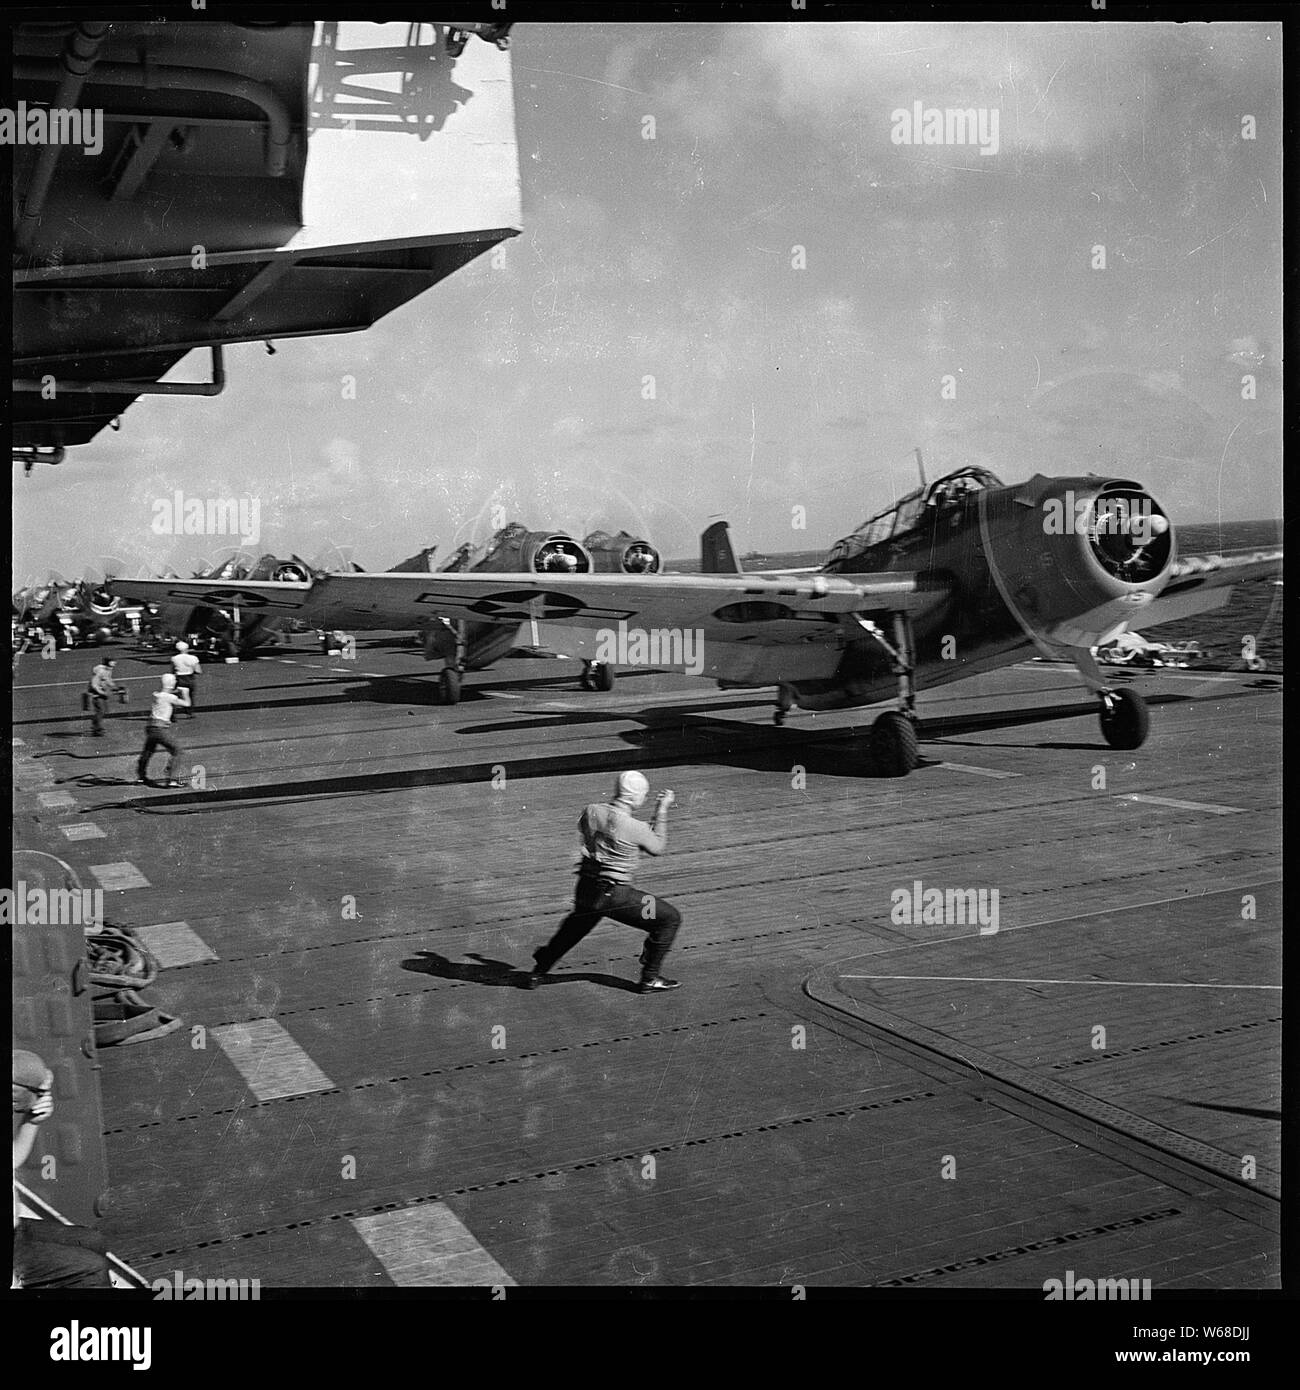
(241, 614)
(234, 631)
(79, 614)
(962, 576)
(466, 645)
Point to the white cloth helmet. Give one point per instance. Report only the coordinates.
(632, 787)
(182, 646)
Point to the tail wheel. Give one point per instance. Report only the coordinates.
(602, 676)
(894, 749)
(449, 685)
(1124, 719)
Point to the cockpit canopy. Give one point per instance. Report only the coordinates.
(912, 511)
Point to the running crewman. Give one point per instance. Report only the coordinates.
(160, 732)
(186, 667)
(612, 841)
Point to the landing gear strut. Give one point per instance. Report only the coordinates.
(894, 735)
(784, 700)
(447, 640)
(597, 675)
(1124, 718)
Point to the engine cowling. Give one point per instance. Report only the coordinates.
(622, 554)
(103, 603)
(1077, 559)
(291, 572)
(516, 550)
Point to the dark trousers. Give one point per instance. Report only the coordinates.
(159, 736)
(186, 683)
(48, 1255)
(98, 704)
(595, 898)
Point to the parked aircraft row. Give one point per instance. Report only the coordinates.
(963, 575)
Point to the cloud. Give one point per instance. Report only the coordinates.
(1059, 88)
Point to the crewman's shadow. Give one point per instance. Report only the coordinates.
(501, 973)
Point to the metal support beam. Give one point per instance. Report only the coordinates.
(135, 388)
(256, 285)
(139, 156)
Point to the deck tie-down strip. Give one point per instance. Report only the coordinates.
(440, 1071)
(607, 1161)
(1118, 1054)
(1032, 1247)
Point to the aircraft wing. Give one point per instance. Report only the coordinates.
(252, 595)
(1204, 582)
(729, 626)
(745, 628)
(727, 607)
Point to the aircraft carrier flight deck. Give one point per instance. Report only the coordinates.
(361, 1094)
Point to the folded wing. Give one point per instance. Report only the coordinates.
(1201, 583)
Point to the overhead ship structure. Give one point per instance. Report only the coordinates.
(192, 185)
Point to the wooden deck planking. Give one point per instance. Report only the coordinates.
(271, 874)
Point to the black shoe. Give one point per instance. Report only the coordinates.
(658, 984)
(534, 978)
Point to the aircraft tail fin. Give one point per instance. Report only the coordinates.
(716, 554)
(419, 563)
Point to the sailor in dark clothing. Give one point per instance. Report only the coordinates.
(612, 841)
(102, 686)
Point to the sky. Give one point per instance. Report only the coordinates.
(790, 388)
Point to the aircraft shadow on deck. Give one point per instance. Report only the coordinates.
(1249, 1111)
(501, 974)
(414, 689)
(669, 735)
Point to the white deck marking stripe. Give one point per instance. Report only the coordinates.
(175, 943)
(269, 1060)
(115, 877)
(428, 1247)
(87, 830)
(1010, 980)
(1159, 672)
(1182, 805)
(53, 800)
(979, 771)
(59, 685)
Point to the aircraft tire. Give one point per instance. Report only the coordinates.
(1125, 722)
(602, 676)
(449, 685)
(894, 749)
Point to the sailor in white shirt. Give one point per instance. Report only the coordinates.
(160, 732)
(185, 667)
